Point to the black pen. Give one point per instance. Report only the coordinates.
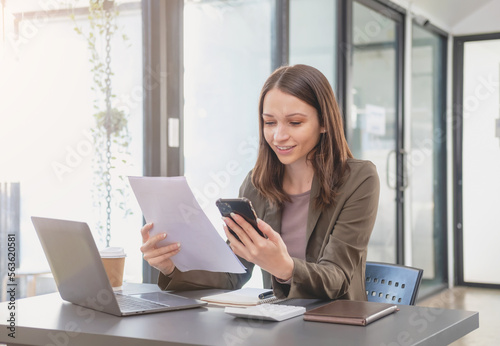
(265, 295)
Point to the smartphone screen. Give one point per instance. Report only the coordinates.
(241, 206)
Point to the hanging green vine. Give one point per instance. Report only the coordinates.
(110, 134)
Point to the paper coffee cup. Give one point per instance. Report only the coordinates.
(113, 259)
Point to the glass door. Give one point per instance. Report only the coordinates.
(374, 123)
(426, 164)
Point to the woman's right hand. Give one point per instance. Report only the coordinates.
(158, 258)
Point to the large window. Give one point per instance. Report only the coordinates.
(313, 35)
(227, 58)
(47, 108)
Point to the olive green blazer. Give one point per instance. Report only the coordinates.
(337, 240)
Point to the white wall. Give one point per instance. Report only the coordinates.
(485, 20)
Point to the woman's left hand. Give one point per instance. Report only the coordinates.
(268, 253)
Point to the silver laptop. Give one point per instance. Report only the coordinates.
(80, 276)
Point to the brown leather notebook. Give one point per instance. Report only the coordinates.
(354, 312)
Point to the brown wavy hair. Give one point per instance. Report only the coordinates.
(328, 157)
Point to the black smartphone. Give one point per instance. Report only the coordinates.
(241, 206)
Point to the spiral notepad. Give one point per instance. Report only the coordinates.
(270, 300)
(241, 297)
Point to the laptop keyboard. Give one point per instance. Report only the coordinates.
(128, 303)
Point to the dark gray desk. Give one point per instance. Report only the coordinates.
(47, 320)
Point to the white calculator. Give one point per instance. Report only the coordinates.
(269, 312)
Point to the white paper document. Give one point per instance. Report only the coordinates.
(170, 205)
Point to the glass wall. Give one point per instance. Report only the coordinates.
(48, 108)
(48, 128)
(371, 126)
(227, 58)
(481, 161)
(313, 36)
(426, 162)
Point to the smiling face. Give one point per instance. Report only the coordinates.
(291, 127)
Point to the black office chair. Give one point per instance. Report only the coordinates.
(392, 283)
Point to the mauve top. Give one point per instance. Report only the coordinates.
(294, 224)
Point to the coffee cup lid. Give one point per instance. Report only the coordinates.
(112, 252)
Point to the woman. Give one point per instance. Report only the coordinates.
(317, 205)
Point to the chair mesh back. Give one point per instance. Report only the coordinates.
(391, 283)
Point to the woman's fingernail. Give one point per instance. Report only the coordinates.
(164, 235)
(178, 245)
